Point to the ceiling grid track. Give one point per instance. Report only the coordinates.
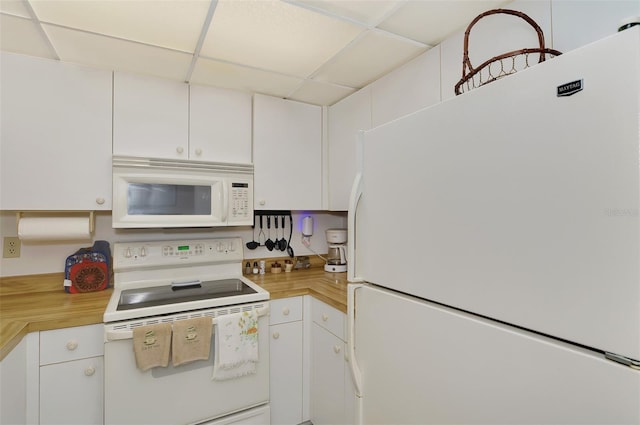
(41, 30)
(203, 35)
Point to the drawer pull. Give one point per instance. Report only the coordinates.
(336, 349)
(325, 317)
(90, 371)
(286, 311)
(72, 345)
(276, 335)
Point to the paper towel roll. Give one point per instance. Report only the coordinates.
(54, 228)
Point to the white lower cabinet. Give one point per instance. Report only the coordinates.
(72, 376)
(71, 392)
(286, 361)
(327, 377)
(331, 388)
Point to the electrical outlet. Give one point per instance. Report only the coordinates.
(11, 247)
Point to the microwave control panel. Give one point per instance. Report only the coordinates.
(240, 200)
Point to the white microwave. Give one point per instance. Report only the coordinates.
(152, 193)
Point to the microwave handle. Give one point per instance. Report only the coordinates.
(225, 201)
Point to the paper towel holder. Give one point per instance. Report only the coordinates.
(21, 214)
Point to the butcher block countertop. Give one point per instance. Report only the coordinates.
(38, 302)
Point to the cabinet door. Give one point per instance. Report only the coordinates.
(55, 135)
(286, 373)
(287, 154)
(150, 117)
(414, 86)
(71, 392)
(345, 119)
(219, 125)
(327, 377)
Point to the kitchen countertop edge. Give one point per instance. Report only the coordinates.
(34, 303)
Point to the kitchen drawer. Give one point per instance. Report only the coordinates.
(67, 344)
(286, 310)
(328, 317)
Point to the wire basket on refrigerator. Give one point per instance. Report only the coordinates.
(504, 64)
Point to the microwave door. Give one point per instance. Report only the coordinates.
(169, 199)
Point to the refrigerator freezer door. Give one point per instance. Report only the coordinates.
(425, 364)
(517, 204)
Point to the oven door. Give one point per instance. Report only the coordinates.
(185, 394)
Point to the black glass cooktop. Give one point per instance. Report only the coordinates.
(182, 292)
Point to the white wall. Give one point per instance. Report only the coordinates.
(49, 257)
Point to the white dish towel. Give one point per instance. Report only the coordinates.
(236, 345)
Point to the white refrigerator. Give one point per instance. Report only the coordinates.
(496, 239)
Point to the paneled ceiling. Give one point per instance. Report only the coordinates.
(314, 51)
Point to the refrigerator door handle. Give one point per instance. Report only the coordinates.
(356, 193)
(351, 316)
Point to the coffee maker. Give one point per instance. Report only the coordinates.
(337, 254)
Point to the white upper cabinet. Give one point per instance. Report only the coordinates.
(157, 118)
(414, 86)
(287, 154)
(346, 119)
(56, 135)
(150, 117)
(596, 19)
(219, 125)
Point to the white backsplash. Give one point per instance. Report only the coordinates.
(49, 257)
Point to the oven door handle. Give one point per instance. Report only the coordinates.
(122, 334)
(118, 335)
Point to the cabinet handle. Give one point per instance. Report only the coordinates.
(90, 371)
(100, 201)
(285, 311)
(198, 152)
(180, 150)
(72, 345)
(276, 335)
(336, 349)
(325, 317)
(262, 202)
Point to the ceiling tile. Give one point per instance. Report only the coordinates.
(369, 58)
(14, 7)
(120, 55)
(367, 12)
(175, 24)
(320, 93)
(230, 76)
(276, 36)
(432, 21)
(30, 41)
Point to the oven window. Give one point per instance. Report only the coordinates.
(168, 199)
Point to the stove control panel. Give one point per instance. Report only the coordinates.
(129, 255)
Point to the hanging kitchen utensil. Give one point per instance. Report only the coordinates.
(276, 242)
(253, 244)
(269, 243)
(261, 233)
(289, 249)
(504, 64)
(282, 245)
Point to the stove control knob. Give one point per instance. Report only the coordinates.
(143, 252)
(127, 253)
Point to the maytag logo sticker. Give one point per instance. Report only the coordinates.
(570, 88)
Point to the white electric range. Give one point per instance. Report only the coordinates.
(165, 281)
